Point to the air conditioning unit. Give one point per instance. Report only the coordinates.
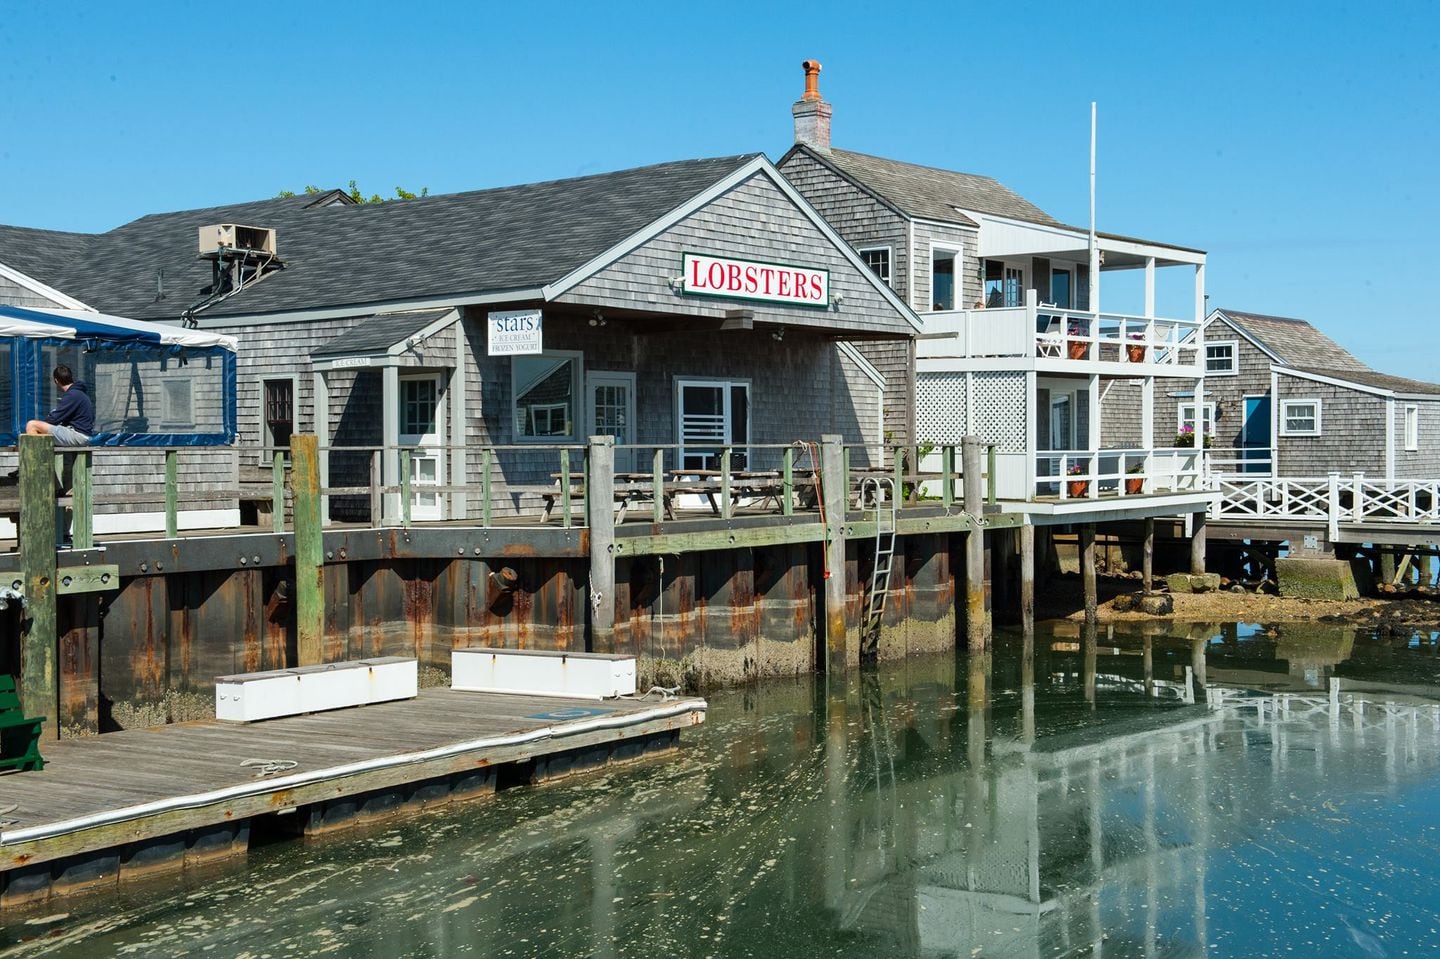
(233, 236)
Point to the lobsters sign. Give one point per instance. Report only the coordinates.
(755, 280)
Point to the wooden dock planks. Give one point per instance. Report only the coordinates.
(187, 764)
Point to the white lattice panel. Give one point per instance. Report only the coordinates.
(1000, 409)
(939, 407)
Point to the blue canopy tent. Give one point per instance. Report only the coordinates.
(152, 384)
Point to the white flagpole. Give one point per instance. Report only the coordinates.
(1094, 244)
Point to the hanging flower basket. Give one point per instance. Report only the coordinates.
(1135, 352)
(1078, 489)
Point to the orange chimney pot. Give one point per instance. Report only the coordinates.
(812, 80)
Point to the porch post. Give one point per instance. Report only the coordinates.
(1197, 544)
(600, 502)
(1027, 582)
(1087, 572)
(977, 624)
(322, 436)
(1149, 287)
(39, 675)
(835, 488)
(390, 440)
(1147, 556)
(455, 455)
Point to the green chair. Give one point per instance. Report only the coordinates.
(19, 734)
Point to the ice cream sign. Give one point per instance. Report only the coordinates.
(734, 279)
(515, 332)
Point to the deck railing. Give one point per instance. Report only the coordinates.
(1091, 474)
(1053, 333)
(1332, 499)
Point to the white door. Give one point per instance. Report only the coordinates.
(610, 399)
(421, 427)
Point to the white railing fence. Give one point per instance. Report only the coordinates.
(1333, 499)
(1090, 474)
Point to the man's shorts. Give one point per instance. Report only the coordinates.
(68, 436)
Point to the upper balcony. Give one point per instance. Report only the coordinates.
(1053, 340)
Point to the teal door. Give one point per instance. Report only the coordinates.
(1255, 436)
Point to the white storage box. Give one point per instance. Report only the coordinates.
(248, 697)
(537, 673)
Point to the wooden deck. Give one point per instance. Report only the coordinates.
(140, 796)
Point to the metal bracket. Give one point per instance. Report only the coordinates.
(87, 579)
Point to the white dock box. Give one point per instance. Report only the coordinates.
(248, 697)
(537, 673)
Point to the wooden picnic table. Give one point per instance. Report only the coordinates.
(628, 488)
(767, 484)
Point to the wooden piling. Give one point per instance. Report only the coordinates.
(839, 653)
(1197, 669)
(600, 518)
(1147, 555)
(172, 493)
(309, 552)
(1197, 544)
(977, 625)
(1087, 571)
(1027, 582)
(39, 680)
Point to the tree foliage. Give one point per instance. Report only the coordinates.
(358, 196)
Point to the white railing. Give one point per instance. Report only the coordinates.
(1242, 461)
(1331, 499)
(1091, 474)
(1048, 332)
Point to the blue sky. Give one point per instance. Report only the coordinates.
(1297, 143)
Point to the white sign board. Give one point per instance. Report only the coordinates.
(515, 332)
(754, 280)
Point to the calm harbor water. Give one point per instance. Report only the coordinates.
(1010, 805)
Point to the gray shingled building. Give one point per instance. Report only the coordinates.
(368, 323)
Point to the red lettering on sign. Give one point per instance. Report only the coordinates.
(695, 274)
(732, 279)
(819, 292)
(800, 281)
(784, 289)
(750, 279)
(717, 276)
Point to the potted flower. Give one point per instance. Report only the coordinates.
(1135, 352)
(1078, 349)
(1137, 484)
(1077, 489)
(1186, 437)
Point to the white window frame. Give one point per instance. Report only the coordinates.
(1181, 419)
(577, 398)
(957, 256)
(727, 383)
(1234, 357)
(168, 418)
(1412, 427)
(888, 277)
(1285, 416)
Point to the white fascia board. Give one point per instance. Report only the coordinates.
(1115, 509)
(758, 165)
(1330, 380)
(859, 360)
(1222, 316)
(42, 289)
(369, 309)
(1169, 254)
(425, 332)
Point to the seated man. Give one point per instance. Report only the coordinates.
(73, 419)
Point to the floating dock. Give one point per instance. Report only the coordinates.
(143, 801)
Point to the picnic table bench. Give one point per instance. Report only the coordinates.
(19, 734)
(629, 488)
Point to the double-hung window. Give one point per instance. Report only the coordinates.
(1190, 419)
(1220, 358)
(711, 415)
(1299, 417)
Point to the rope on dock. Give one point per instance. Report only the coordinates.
(269, 767)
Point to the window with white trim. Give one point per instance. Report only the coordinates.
(1220, 358)
(1412, 427)
(710, 415)
(176, 408)
(1300, 417)
(1186, 420)
(878, 259)
(544, 390)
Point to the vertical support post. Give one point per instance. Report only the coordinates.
(390, 432)
(377, 498)
(600, 518)
(565, 488)
(1197, 544)
(172, 493)
(1333, 506)
(82, 498)
(657, 482)
(1087, 571)
(899, 474)
(1027, 582)
(322, 435)
(990, 463)
(277, 491)
(39, 676)
(835, 486)
(977, 624)
(1148, 665)
(486, 506)
(726, 506)
(787, 482)
(405, 466)
(1197, 670)
(1147, 555)
(309, 552)
(947, 469)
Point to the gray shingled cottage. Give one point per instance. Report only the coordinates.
(1283, 399)
(700, 303)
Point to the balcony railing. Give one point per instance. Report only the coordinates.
(1052, 333)
(1091, 474)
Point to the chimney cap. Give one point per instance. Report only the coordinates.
(812, 80)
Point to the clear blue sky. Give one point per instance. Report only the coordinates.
(1298, 143)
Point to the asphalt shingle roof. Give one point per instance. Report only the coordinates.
(378, 333)
(932, 193)
(1301, 346)
(509, 238)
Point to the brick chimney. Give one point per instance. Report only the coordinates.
(812, 114)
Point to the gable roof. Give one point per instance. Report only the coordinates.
(1299, 345)
(336, 254)
(379, 333)
(929, 192)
